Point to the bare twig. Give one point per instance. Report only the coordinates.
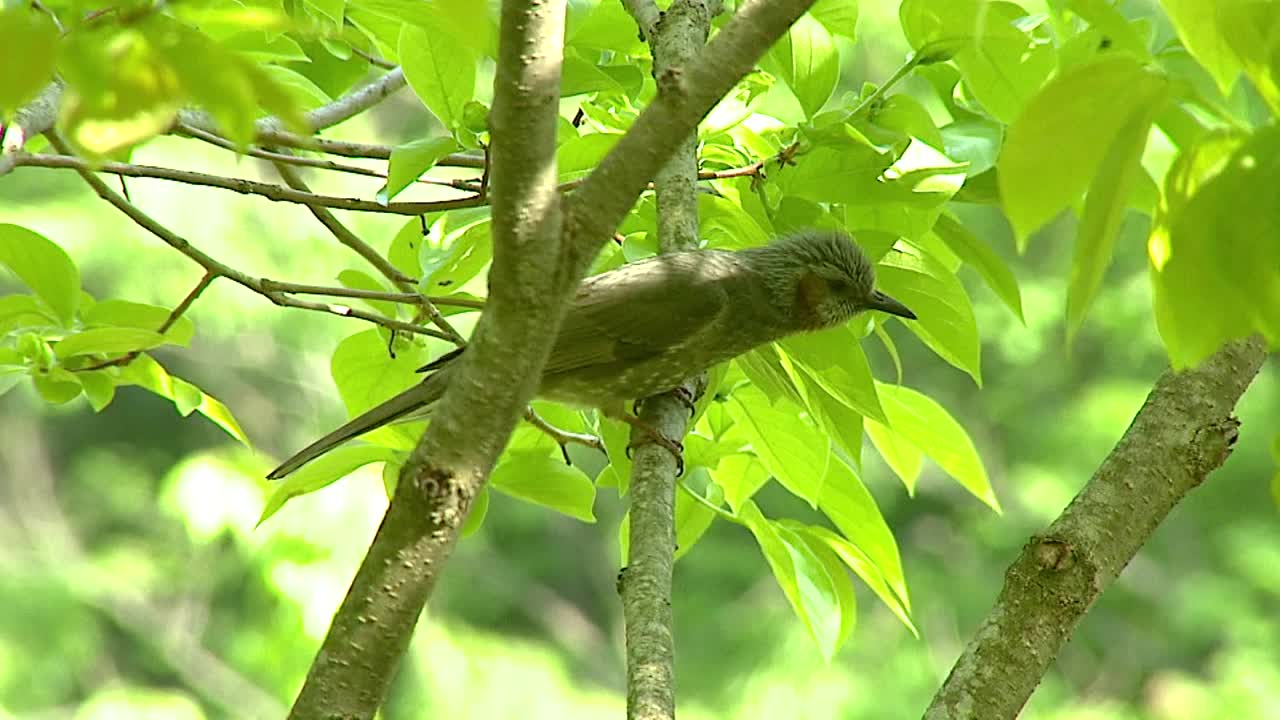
(219, 269)
(561, 436)
(405, 298)
(177, 312)
(246, 187)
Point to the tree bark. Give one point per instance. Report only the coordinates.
(1183, 432)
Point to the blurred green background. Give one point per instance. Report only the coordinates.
(134, 583)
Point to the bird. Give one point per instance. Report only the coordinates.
(645, 327)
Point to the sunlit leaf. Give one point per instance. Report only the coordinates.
(124, 313)
(919, 419)
(107, 340)
(979, 255)
(441, 71)
(945, 314)
(410, 161)
(794, 451)
(546, 480)
(42, 266)
(806, 60)
(28, 48)
(1055, 148)
(322, 472)
(802, 576)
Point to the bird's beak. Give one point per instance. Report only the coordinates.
(884, 303)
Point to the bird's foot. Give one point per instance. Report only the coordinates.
(682, 394)
(653, 435)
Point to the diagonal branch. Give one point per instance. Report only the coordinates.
(537, 264)
(1184, 432)
(219, 269)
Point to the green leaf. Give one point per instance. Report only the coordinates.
(361, 280)
(322, 472)
(441, 71)
(741, 476)
(1201, 34)
(303, 92)
(1215, 250)
(145, 372)
(107, 340)
(848, 504)
(28, 48)
(546, 480)
(406, 246)
(1104, 207)
(1002, 64)
(835, 569)
(839, 17)
(794, 451)
(803, 578)
(99, 388)
(470, 251)
(920, 420)
(578, 156)
(806, 60)
(475, 518)
(367, 375)
(24, 311)
(693, 518)
(56, 385)
(42, 266)
(842, 424)
(904, 458)
(981, 257)
(856, 560)
(975, 141)
(1057, 145)
(1121, 33)
(579, 76)
(839, 366)
(946, 322)
(123, 313)
(1252, 29)
(409, 162)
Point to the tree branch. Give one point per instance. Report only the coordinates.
(218, 269)
(1184, 432)
(537, 264)
(244, 186)
(645, 585)
(405, 298)
(489, 387)
(326, 116)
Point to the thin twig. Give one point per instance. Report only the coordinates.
(177, 312)
(384, 266)
(561, 436)
(319, 163)
(374, 59)
(294, 180)
(247, 187)
(219, 269)
(405, 298)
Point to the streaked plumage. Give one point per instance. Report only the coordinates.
(645, 327)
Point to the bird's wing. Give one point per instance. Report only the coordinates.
(639, 311)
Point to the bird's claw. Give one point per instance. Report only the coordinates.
(681, 393)
(675, 447)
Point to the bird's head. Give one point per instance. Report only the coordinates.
(823, 279)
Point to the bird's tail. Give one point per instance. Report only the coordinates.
(418, 397)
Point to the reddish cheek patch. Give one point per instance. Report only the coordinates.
(811, 292)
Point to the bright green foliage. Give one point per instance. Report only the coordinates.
(1074, 109)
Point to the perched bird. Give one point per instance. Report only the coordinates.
(646, 327)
